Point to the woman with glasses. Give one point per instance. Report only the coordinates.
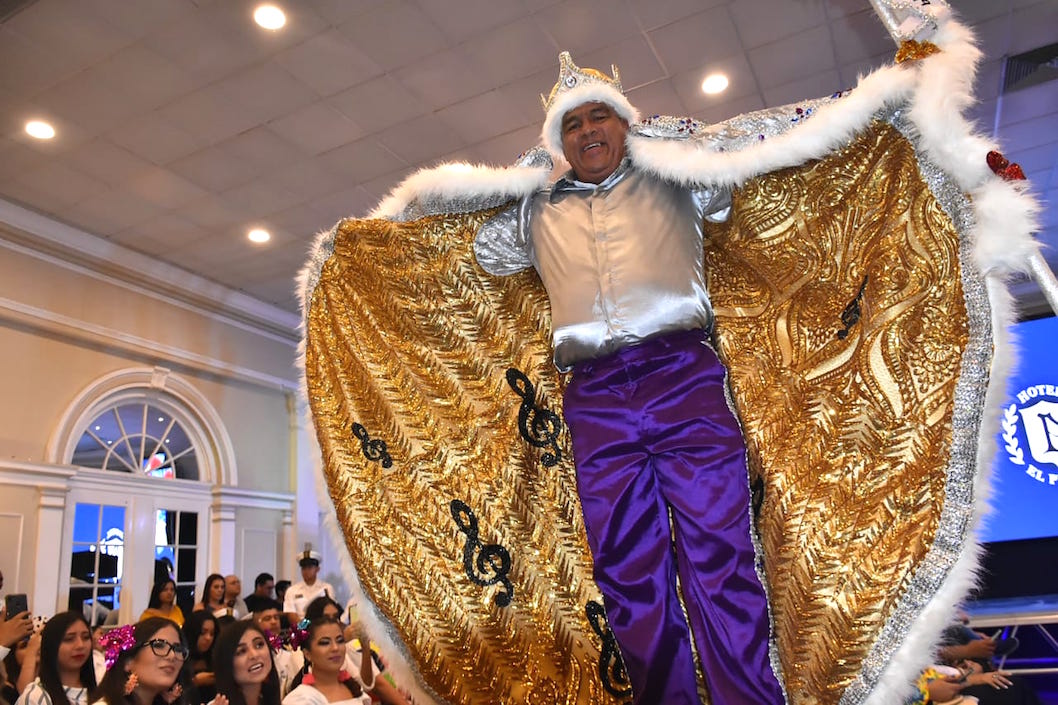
(66, 670)
(245, 669)
(150, 668)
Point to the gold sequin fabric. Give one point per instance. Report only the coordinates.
(840, 315)
(410, 340)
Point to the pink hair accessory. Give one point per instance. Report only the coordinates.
(117, 641)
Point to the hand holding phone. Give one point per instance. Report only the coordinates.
(15, 605)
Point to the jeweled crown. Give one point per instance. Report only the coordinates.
(571, 76)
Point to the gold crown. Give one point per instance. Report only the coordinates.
(570, 76)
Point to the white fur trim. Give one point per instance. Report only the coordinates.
(551, 134)
(461, 181)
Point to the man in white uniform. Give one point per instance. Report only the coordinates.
(300, 594)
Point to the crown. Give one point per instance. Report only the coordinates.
(571, 76)
(577, 86)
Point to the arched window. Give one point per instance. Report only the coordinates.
(149, 449)
(142, 436)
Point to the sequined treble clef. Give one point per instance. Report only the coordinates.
(611, 666)
(492, 563)
(540, 427)
(374, 449)
(851, 315)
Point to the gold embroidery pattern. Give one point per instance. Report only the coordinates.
(850, 435)
(409, 338)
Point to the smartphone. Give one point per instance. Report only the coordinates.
(15, 605)
(354, 616)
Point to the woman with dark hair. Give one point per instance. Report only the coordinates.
(212, 598)
(245, 669)
(163, 603)
(66, 673)
(147, 665)
(15, 683)
(325, 679)
(323, 607)
(200, 633)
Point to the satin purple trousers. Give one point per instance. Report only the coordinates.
(654, 440)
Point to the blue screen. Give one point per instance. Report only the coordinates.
(1025, 475)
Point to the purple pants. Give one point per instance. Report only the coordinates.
(653, 437)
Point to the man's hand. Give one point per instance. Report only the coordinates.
(15, 629)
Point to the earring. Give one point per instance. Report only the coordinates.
(130, 683)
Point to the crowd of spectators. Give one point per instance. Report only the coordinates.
(267, 648)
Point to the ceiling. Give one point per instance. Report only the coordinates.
(182, 125)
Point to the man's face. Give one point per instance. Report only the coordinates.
(268, 620)
(265, 590)
(309, 571)
(593, 141)
(232, 586)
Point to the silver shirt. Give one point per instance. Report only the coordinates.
(621, 260)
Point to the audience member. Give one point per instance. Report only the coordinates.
(263, 585)
(325, 679)
(384, 689)
(163, 603)
(212, 598)
(287, 662)
(99, 659)
(300, 594)
(232, 590)
(66, 671)
(245, 669)
(13, 670)
(200, 633)
(281, 590)
(13, 633)
(150, 667)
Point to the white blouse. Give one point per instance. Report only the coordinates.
(308, 695)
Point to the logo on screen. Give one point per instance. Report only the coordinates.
(1033, 418)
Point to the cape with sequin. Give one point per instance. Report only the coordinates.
(861, 311)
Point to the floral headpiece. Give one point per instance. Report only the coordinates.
(117, 641)
(299, 633)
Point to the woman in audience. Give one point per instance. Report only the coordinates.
(212, 597)
(326, 680)
(65, 665)
(17, 676)
(163, 603)
(148, 666)
(242, 661)
(384, 689)
(200, 633)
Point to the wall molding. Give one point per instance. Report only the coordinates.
(72, 247)
(243, 498)
(82, 332)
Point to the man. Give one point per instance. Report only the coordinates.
(263, 585)
(654, 441)
(232, 589)
(300, 594)
(288, 662)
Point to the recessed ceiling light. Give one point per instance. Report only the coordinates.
(40, 129)
(714, 83)
(269, 17)
(259, 235)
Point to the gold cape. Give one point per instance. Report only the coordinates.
(856, 333)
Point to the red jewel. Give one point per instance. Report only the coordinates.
(1001, 166)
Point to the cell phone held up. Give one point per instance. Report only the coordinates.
(15, 605)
